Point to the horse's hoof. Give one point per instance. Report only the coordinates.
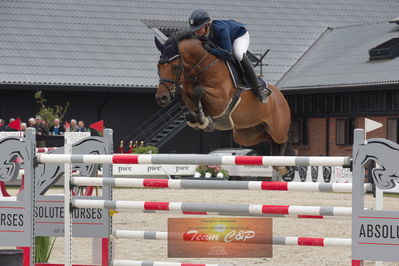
(282, 170)
(207, 126)
(193, 125)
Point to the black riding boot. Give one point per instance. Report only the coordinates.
(260, 91)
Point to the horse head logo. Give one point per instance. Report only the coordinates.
(385, 154)
(48, 174)
(12, 152)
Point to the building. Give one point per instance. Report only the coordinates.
(338, 82)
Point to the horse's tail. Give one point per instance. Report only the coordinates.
(289, 149)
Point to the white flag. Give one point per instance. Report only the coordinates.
(370, 125)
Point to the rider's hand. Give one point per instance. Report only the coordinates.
(207, 46)
(203, 39)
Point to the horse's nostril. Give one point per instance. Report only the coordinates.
(164, 99)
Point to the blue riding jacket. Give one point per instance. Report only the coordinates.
(223, 33)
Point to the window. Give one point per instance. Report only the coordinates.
(392, 125)
(299, 132)
(344, 131)
(386, 50)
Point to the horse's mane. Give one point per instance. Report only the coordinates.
(171, 48)
(184, 34)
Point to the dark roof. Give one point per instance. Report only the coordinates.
(340, 58)
(106, 43)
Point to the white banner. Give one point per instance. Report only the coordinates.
(72, 137)
(4, 134)
(187, 170)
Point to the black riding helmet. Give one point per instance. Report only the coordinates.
(198, 18)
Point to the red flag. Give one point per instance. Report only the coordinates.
(67, 125)
(99, 126)
(16, 124)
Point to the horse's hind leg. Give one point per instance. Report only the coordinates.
(284, 149)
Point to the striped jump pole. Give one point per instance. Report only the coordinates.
(277, 240)
(216, 184)
(214, 208)
(47, 149)
(235, 214)
(195, 159)
(157, 263)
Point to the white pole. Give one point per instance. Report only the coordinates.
(67, 203)
(379, 205)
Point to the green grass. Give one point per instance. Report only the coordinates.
(43, 247)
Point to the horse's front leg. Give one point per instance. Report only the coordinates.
(205, 123)
(183, 102)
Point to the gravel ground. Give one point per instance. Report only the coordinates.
(156, 250)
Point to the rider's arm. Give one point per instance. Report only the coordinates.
(224, 50)
(223, 54)
(223, 37)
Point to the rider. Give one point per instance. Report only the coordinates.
(231, 37)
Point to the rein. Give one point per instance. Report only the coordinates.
(201, 71)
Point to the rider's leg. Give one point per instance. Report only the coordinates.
(240, 47)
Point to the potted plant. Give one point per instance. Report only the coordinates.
(209, 171)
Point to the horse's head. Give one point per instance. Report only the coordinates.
(170, 69)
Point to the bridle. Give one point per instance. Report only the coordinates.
(187, 75)
(176, 84)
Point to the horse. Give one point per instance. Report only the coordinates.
(203, 85)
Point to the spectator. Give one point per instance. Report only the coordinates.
(1, 125)
(45, 124)
(74, 127)
(41, 132)
(7, 128)
(23, 126)
(81, 126)
(57, 129)
(31, 122)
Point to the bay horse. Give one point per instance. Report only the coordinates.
(205, 88)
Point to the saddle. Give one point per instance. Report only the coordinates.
(238, 76)
(234, 67)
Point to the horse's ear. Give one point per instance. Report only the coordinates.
(160, 46)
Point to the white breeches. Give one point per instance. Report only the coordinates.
(240, 46)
